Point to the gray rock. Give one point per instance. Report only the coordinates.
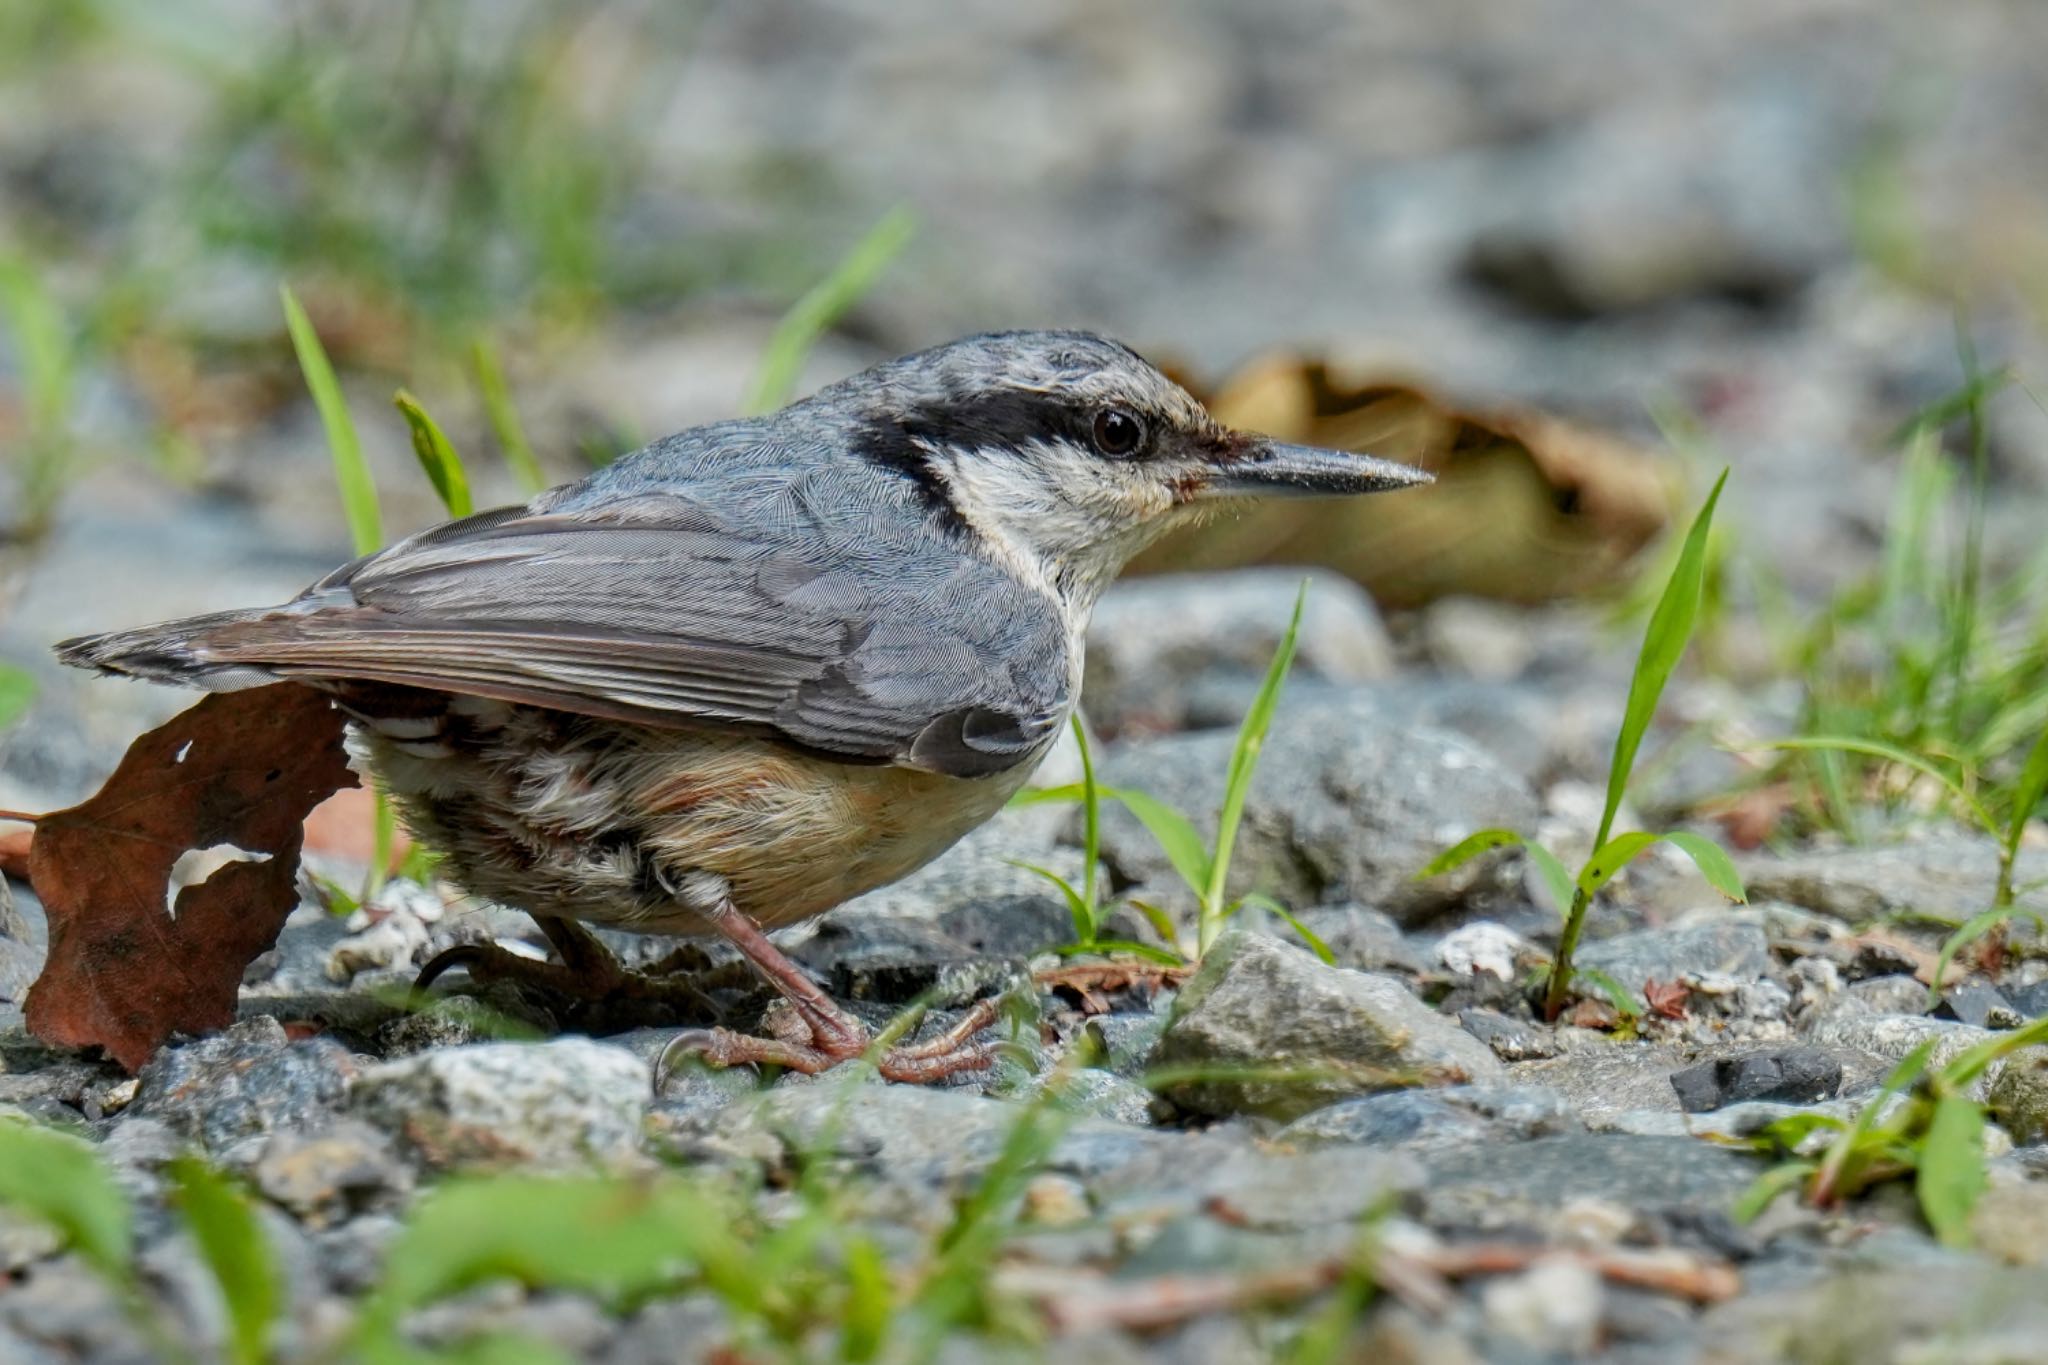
(1951, 1312)
(1265, 1190)
(1459, 1113)
(1259, 1003)
(1494, 1185)
(1361, 937)
(895, 961)
(1985, 1006)
(568, 1326)
(1152, 638)
(19, 965)
(1949, 877)
(569, 1102)
(332, 1173)
(1127, 1040)
(1512, 1040)
(1347, 804)
(1896, 993)
(1792, 1075)
(245, 1083)
(69, 1313)
(2032, 1001)
(2019, 1097)
(1739, 951)
(924, 1139)
(681, 1331)
(1102, 1094)
(1601, 1079)
(1892, 1036)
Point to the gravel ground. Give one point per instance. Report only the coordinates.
(1462, 191)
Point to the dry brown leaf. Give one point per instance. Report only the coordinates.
(136, 956)
(1526, 507)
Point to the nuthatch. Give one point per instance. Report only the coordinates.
(759, 667)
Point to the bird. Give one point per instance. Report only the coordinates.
(745, 673)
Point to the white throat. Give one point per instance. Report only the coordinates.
(1051, 515)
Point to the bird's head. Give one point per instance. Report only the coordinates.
(1065, 453)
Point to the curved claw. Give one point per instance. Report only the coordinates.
(470, 955)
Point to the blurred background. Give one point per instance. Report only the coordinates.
(1765, 233)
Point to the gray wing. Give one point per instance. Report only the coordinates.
(854, 634)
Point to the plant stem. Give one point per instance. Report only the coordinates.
(1091, 822)
(1559, 988)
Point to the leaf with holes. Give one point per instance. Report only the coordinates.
(165, 884)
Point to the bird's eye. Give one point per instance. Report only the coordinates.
(1118, 433)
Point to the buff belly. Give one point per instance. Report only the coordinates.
(652, 830)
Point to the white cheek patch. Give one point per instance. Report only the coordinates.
(196, 866)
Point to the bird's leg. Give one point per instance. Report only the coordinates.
(587, 968)
(834, 1035)
(587, 980)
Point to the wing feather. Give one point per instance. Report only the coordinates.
(658, 611)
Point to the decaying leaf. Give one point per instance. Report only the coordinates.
(164, 885)
(1526, 507)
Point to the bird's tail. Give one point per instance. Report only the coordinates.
(198, 651)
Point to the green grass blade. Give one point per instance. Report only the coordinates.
(1161, 922)
(1663, 642)
(1616, 994)
(1951, 1174)
(1091, 817)
(1765, 1189)
(782, 362)
(1470, 847)
(437, 456)
(870, 1301)
(351, 471)
(1967, 933)
(2026, 793)
(1104, 947)
(1077, 906)
(59, 1179)
(1307, 935)
(1892, 753)
(1966, 1066)
(1175, 834)
(231, 1242)
(1244, 762)
(1713, 862)
(1557, 878)
(504, 417)
(1610, 858)
(1046, 796)
(17, 694)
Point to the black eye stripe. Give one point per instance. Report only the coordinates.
(1015, 418)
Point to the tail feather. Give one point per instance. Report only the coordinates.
(190, 653)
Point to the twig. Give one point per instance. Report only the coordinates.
(19, 817)
(1421, 1279)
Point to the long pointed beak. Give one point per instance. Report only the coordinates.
(1266, 468)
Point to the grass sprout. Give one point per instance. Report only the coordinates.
(504, 417)
(444, 468)
(1922, 1125)
(1203, 866)
(848, 282)
(1664, 641)
(17, 693)
(45, 362)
